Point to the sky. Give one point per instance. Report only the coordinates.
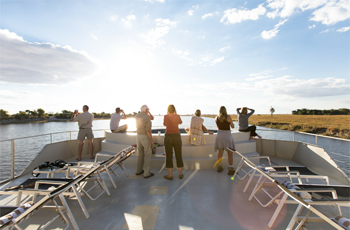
(61, 55)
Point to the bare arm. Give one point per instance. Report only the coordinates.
(216, 119)
(206, 130)
(150, 115)
(229, 119)
(124, 116)
(73, 115)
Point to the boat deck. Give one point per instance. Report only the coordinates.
(203, 199)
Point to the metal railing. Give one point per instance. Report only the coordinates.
(51, 141)
(70, 138)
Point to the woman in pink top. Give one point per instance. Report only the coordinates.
(172, 140)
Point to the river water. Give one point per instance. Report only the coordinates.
(27, 149)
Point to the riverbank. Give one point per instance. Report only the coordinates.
(329, 125)
(39, 120)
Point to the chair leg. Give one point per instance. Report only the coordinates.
(110, 177)
(257, 187)
(277, 211)
(122, 166)
(82, 205)
(300, 225)
(249, 181)
(69, 213)
(162, 168)
(292, 220)
(103, 184)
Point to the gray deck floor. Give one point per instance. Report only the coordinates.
(202, 200)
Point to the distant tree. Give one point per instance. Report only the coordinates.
(134, 113)
(41, 112)
(272, 110)
(4, 114)
(34, 113)
(21, 115)
(28, 112)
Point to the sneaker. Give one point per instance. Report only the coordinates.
(220, 168)
(231, 171)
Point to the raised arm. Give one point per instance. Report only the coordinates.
(238, 109)
(251, 112)
(124, 116)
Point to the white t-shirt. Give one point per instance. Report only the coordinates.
(115, 119)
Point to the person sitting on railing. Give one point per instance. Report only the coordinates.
(115, 120)
(195, 132)
(243, 125)
(85, 124)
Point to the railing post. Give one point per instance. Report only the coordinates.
(70, 135)
(293, 136)
(316, 140)
(12, 159)
(51, 137)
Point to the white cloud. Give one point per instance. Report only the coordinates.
(182, 54)
(325, 31)
(311, 27)
(154, 36)
(317, 87)
(201, 37)
(223, 49)
(217, 60)
(332, 12)
(289, 86)
(207, 15)
(344, 29)
(258, 78)
(113, 17)
(41, 63)
(151, 1)
(328, 12)
(146, 16)
(285, 8)
(272, 33)
(128, 21)
(191, 11)
(236, 16)
(93, 36)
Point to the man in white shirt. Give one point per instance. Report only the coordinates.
(115, 119)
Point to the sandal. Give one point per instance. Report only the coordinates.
(150, 175)
(181, 176)
(168, 177)
(92, 157)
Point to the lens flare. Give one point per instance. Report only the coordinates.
(217, 162)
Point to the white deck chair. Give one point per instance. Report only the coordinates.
(302, 203)
(42, 204)
(124, 155)
(309, 204)
(290, 171)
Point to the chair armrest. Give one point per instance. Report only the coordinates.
(102, 155)
(313, 190)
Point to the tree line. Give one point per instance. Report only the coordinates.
(304, 111)
(40, 113)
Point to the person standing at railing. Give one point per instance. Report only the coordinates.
(85, 124)
(144, 142)
(224, 139)
(243, 125)
(115, 120)
(172, 140)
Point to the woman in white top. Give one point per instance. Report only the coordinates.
(195, 132)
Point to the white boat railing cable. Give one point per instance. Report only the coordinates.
(51, 138)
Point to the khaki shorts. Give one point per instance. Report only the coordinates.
(122, 128)
(85, 133)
